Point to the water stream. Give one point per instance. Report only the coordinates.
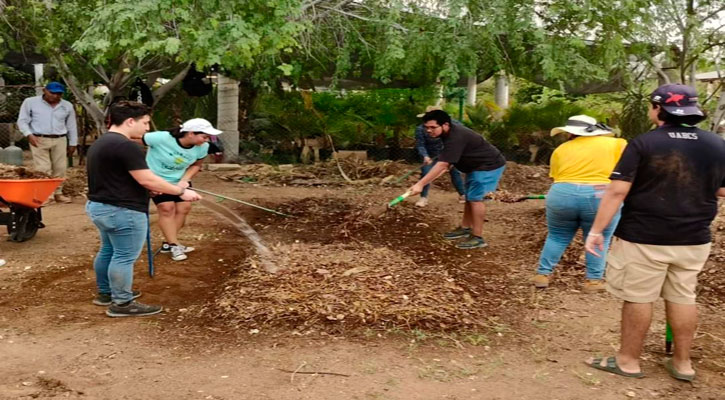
(265, 255)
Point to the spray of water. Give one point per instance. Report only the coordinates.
(265, 255)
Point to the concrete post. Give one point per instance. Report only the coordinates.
(228, 116)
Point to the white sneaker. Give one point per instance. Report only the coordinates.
(2, 262)
(462, 198)
(422, 202)
(186, 249)
(177, 253)
(165, 248)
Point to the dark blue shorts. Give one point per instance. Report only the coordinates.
(481, 183)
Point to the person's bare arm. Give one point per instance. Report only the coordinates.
(433, 174)
(612, 200)
(721, 192)
(190, 173)
(152, 182)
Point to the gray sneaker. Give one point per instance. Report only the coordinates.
(104, 299)
(473, 242)
(177, 253)
(132, 309)
(457, 233)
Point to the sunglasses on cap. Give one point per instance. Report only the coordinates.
(589, 127)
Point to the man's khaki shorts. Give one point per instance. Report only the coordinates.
(642, 273)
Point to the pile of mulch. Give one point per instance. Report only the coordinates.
(319, 174)
(525, 179)
(342, 287)
(14, 172)
(76, 182)
(343, 219)
(518, 180)
(344, 270)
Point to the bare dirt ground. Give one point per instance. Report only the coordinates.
(55, 344)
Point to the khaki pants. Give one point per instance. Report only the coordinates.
(642, 273)
(50, 157)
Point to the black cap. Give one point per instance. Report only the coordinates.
(677, 99)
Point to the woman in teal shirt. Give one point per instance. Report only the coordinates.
(177, 156)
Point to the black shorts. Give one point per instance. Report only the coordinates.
(165, 198)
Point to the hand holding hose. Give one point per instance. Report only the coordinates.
(190, 195)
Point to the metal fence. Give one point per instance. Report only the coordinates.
(11, 97)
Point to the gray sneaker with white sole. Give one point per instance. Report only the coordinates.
(132, 309)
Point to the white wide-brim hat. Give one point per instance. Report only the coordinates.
(428, 109)
(582, 125)
(200, 125)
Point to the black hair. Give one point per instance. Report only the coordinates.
(177, 133)
(123, 110)
(672, 119)
(439, 116)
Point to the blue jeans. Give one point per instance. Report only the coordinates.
(456, 179)
(570, 207)
(123, 232)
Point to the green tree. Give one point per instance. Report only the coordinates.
(114, 42)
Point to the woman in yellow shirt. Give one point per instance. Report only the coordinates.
(580, 168)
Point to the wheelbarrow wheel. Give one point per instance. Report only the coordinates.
(25, 224)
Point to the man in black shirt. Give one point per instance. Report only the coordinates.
(471, 154)
(669, 180)
(118, 184)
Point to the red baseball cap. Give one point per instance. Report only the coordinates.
(677, 99)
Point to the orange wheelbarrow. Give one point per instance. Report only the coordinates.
(24, 198)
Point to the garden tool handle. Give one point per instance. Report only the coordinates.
(410, 172)
(239, 201)
(399, 199)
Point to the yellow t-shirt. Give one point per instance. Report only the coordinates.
(586, 159)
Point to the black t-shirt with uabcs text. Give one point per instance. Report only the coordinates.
(109, 161)
(468, 151)
(675, 172)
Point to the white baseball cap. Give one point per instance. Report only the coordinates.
(200, 125)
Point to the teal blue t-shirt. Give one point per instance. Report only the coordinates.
(167, 158)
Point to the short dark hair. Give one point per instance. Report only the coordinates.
(123, 110)
(672, 119)
(439, 116)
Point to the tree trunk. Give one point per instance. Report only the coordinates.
(166, 87)
(228, 116)
(471, 96)
(501, 96)
(247, 96)
(85, 98)
(38, 70)
(719, 114)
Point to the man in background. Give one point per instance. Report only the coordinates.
(49, 123)
(429, 148)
